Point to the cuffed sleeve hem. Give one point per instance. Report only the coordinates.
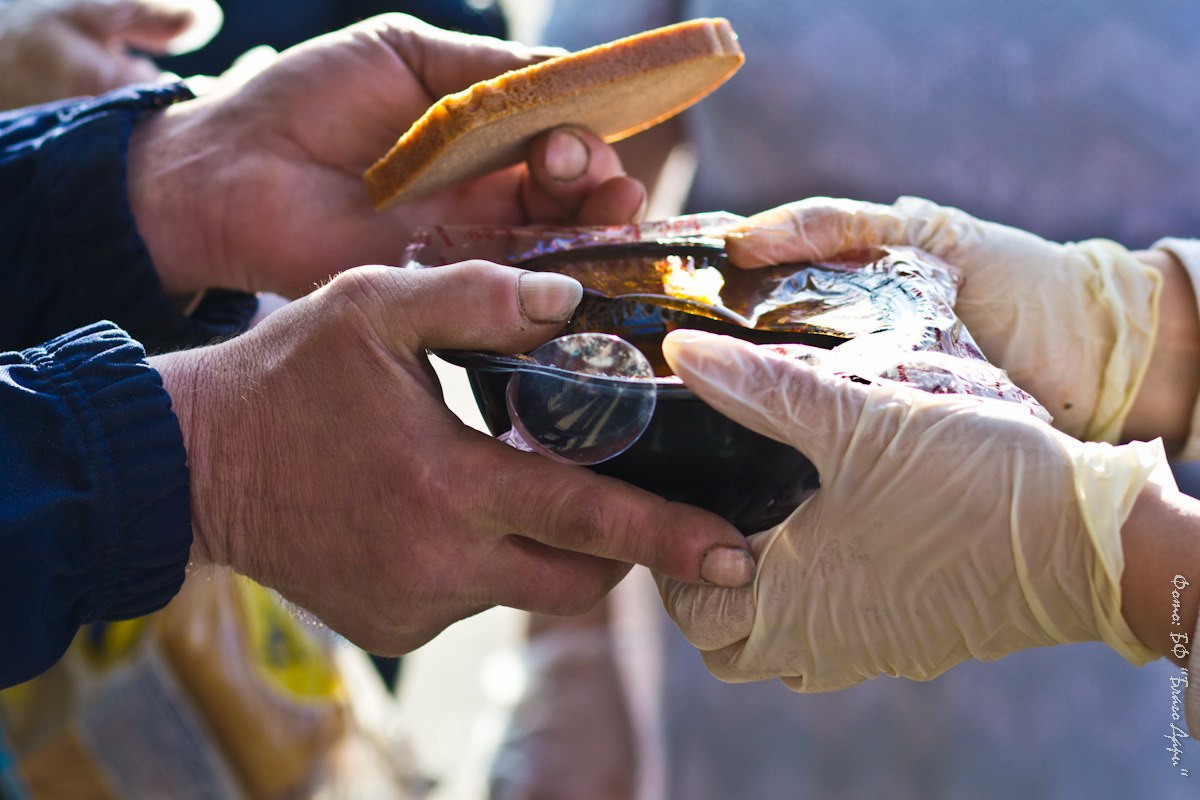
(1187, 253)
(142, 518)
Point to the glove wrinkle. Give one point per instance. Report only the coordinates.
(946, 527)
(1074, 324)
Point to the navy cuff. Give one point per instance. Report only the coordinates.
(99, 522)
(140, 469)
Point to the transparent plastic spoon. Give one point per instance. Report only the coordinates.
(586, 398)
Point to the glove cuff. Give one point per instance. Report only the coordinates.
(1187, 253)
(1108, 481)
(1129, 291)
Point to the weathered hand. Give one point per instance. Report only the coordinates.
(258, 186)
(324, 464)
(54, 49)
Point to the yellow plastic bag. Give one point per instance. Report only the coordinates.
(223, 693)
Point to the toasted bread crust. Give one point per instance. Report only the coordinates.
(615, 89)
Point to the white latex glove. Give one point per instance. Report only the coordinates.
(54, 49)
(1072, 324)
(947, 527)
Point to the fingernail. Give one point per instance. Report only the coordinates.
(545, 51)
(680, 347)
(547, 296)
(728, 567)
(567, 156)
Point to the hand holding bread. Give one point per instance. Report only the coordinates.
(259, 186)
(615, 89)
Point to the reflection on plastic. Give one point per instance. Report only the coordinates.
(591, 399)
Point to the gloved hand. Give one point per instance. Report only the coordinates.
(1074, 324)
(946, 527)
(55, 49)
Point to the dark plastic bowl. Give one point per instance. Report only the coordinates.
(692, 454)
(689, 453)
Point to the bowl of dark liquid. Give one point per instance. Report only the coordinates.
(689, 453)
(888, 313)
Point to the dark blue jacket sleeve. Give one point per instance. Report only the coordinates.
(94, 515)
(95, 520)
(70, 253)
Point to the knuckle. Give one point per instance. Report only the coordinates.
(589, 520)
(386, 298)
(391, 22)
(355, 288)
(492, 281)
(597, 526)
(366, 279)
(496, 282)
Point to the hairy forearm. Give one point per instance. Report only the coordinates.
(1165, 402)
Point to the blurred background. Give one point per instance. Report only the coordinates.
(458, 690)
(1038, 724)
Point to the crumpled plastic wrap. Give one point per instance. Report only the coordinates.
(226, 692)
(886, 314)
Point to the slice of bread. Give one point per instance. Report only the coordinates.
(615, 90)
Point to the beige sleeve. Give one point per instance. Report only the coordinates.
(1187, 251)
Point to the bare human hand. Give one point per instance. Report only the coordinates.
(258, 186)
(324, 464)
(55, 49)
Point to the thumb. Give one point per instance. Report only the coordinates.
(474, 305)
(814, 229)
(779, 396)
(574, 176)
(709, 617)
